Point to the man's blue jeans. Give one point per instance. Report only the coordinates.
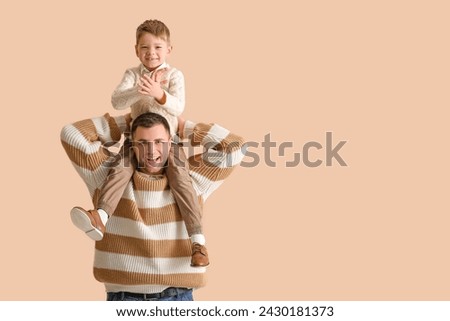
(123, 296)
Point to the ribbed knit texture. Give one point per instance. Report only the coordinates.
(126, 95)
(146, 247)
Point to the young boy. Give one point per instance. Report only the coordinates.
(153, 86)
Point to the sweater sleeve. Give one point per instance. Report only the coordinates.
(175, 94)
(86, 142)
(223, 151)
(126, 93)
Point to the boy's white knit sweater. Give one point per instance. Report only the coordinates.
(146, 247)
(126, 94)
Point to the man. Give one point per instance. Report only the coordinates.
(145, 253)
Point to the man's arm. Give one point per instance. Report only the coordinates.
(84, 142)
(223, 152)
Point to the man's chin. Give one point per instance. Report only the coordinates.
(153, 170)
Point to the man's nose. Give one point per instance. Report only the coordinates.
(150, 148)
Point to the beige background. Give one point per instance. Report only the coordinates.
(375, 74)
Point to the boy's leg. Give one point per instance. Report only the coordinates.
(116, 182)
(181, 186)
(187, 200)
(92, 222)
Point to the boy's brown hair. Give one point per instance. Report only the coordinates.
(154, 27)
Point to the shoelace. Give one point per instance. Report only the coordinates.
(198, 248)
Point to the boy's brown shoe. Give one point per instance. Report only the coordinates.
(89, 222)
(199, 255)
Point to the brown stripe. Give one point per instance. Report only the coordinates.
(80, 158)
(149, 216)
(199, 133)
(230, 143)
(161, 215)
(201, 166)
(143, 183)
(188, 280)
(112, 243)
(87, 129)
(115, 132)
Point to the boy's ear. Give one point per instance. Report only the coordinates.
(169, 49)
(136, 49)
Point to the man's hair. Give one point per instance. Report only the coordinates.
(148, 120)
(154, 27)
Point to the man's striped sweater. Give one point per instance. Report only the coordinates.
(146, 247)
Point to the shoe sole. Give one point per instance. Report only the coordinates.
(83, 222)
(199, 266)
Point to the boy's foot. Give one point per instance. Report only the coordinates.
(89, 222)
(199, 255)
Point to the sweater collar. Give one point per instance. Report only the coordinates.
(146, 182)
(143, 70)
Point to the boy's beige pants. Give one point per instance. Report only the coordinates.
(180, 183)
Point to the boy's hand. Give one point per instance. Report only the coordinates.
(151, 86)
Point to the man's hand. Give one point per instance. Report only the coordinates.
(151, 86)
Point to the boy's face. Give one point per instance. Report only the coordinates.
(151, 147)
(152, 51)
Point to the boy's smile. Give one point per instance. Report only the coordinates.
(152, 51)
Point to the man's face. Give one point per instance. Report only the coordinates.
(152, 51)
(151, 147)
